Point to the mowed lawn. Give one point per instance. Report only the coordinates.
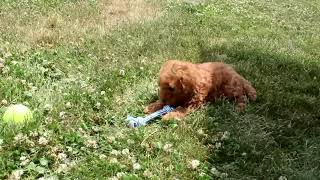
(83, 66)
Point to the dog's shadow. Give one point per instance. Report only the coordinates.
(273, 130)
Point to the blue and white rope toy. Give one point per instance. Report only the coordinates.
(141, 121)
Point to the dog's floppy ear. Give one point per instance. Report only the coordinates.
(182, 73)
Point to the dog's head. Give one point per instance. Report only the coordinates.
(176, 82)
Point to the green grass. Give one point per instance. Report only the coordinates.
(82, 72)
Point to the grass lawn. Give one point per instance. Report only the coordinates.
(82, 66)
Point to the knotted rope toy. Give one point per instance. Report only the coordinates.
(135, 122)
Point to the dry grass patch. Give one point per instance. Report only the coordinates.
(73, 22)
(126, 11)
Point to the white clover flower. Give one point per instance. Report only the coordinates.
(20, 138)
(43, 141)
(125, 151)
(22, 158)
(215, 172)
(91, 143)
(169, 168)
(225, 135)
(68, 105)
(136, 166)
(72, 163)
(62, 114)
(49, 120)
(223, 175)
(98, 105)
(45, 133)
(111, 139)
(102, 93)
(147, 173)
(282, 178)
(167, 147)
(62, 156)
(200, 132)
(194, 164)
(81, 131)
(34, 134)
(69, 149)
(24, 162)
(132, 159)
(23, 81)
(218, 145)
(28, 93)
(113, 161)
(115, 152)
(102, 156)
(62, 168)
(122, 72)
(95, 128)
(4, 102)
(120, 174)
(54, 149)
(16, 174)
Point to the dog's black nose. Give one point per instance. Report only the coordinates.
(163, 101)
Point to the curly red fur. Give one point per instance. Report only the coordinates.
(188, 86)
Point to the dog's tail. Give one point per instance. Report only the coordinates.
(250, 91)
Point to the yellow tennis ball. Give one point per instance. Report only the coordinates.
(17, 114)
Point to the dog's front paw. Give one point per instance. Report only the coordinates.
(240, 107)
(153, 107)
(147, 110)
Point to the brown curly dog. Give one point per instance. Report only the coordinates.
(187, 86)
